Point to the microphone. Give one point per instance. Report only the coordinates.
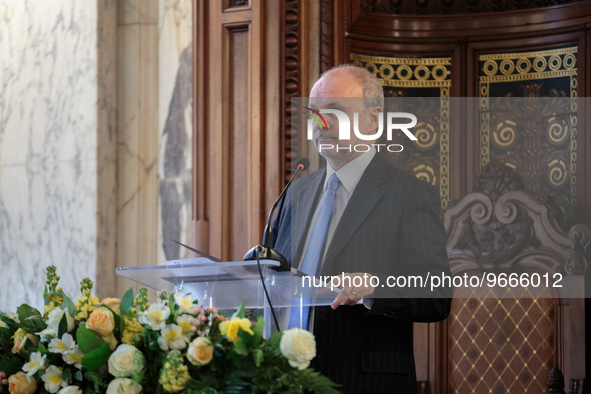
(265, 251)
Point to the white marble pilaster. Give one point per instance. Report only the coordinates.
(48, 146)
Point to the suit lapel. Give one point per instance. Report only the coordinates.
(367, 193)
(306, 195)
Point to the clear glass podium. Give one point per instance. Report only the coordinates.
(224, 285)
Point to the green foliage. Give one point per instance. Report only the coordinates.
(10, 365)
(126, 303)
(68, 305)
(250, 365)
(97, 382)
(275, 340)
(240, 312)
(97, 357)
(259, 328)
(118, 321)
(88, 340)
(30, 319)
(24, 311)
(258, 357)
(63, 326)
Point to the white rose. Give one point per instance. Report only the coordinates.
(70, 390)
(123, 386)
(55, 317)
(125, 361)
(299, 347)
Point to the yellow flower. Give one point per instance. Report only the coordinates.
(85, 311)
(230, 328)
(175, 374)
(101, 321)
(132, 327)
(47, 309)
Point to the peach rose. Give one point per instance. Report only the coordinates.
(113, 303)
(20, 383)
(101, 321)
(200, 351)
(20, 339)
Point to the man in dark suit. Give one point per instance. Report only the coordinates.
(364, 217)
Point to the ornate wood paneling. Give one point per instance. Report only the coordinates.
(501, 345)
(504, 339)
(538, 138)
(457, 30)
(442, 7)
(292, 83)
(429, 157)
(229, 127)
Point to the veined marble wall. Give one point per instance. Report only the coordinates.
(48, 146)
(175, 125)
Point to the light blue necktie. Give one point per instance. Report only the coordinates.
(316, 247)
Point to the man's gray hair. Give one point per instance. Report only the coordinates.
(372, 88)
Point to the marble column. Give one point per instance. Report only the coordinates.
(51, 165)
(137, 135)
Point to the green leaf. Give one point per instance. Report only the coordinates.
(248, 339)
(78, 375)
(258, 357)
(172, 317)
(240, 312)
(275, 340)
(154, 345)
(240, 348)
(25, 311)
(259, 328)
(5, 331)
(96, 357)
(43, 349)
(10, 366)
(63, 326)
(68, 305)
(88, 340)
(117, 319)
(67, 374)
(126, 302)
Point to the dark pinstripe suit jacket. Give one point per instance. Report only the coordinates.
(391, 226)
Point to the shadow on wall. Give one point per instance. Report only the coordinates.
(175, 178)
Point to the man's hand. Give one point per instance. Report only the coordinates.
(351, 294)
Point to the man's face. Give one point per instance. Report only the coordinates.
(341, 91)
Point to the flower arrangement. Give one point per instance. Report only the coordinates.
(131, 346)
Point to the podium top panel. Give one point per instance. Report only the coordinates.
(176, 273)
(226, 284)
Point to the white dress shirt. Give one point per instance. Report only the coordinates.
(349, 176)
